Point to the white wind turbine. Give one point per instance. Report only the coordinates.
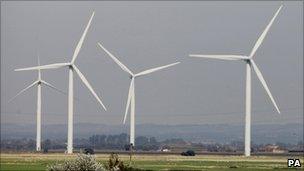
(37, 83)
(249, 64)
(131, 95)
(72, 67)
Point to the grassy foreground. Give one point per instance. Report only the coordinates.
(33, 162)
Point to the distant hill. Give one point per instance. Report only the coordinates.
(221, 133)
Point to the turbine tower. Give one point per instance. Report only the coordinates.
(72, 68)
(37, 83)
(249, 65)
(131, 94)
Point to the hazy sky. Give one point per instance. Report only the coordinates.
(150, 34)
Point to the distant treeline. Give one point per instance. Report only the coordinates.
(102, 142)
(121, 142)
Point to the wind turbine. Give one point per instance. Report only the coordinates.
(72, 68)
(249, 65)
(131, 94)
(37, 83)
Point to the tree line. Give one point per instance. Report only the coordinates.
(102, 142)
(121, 142)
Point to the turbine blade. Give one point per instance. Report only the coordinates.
(28, 87)
(39, 71)
(50, 66)
(60, 91)
(122, 66)
(86, 82)
(79, 45)
(261, 78)
(53, 87)
(129, 100)
(224, 57)
(156, 69)
(263, 35)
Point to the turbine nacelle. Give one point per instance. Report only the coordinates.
(247, 58)
(132, 76)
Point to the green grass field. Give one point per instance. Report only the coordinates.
(33, 162)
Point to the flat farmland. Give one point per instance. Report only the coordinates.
(36, 161)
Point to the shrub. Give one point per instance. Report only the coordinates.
(115, 164)
(88, 163)
(81, 163)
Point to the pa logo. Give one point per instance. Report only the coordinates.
(293, 163)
